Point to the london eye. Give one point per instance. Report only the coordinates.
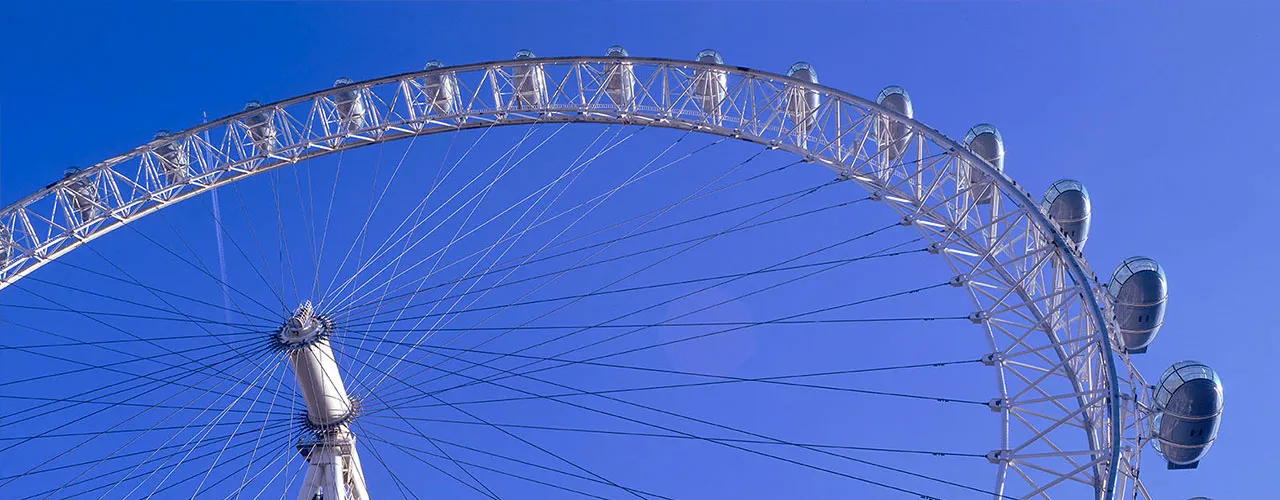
(557, 277)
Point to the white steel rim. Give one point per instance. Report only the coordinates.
(1012, 253)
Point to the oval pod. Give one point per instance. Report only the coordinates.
(82, 194)
(709, 85)
(530, 82)
(1067, 203)
(892, 135)
(985, 142)
(259, 127)
(349, 104)
(439, 89)
(5, 240)
(619, 79)
(1138, 291)
(1188, 409)
(174, 160)
(802, 103)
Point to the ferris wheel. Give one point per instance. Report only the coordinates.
(605, 277)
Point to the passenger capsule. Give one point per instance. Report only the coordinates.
(440, 89)
(710, 85)
(1138, 292)
(802, 102)
(349, 103)
(892, 134)
(173, 159)
(619, 79)
(985, 142)
(82, 194)
(1067, 203)
(530, 82)
(1188, 409)
(259, 126)
(5, 240)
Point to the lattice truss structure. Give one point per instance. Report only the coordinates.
(1071, 404)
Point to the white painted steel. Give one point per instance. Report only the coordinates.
(333, 467)
(1070, 404)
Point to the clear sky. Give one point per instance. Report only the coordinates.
(1164, 110)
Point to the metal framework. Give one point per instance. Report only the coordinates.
(1070, 404)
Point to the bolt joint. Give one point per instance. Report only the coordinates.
(998, 404)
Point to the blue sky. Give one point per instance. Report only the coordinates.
(1164, 111)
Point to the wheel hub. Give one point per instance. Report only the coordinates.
(333, 466)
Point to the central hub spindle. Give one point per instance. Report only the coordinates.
(333, 467)
(306, 340)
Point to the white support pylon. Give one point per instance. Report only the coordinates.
(333, 466)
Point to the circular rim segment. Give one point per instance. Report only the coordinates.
(1022, 274)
